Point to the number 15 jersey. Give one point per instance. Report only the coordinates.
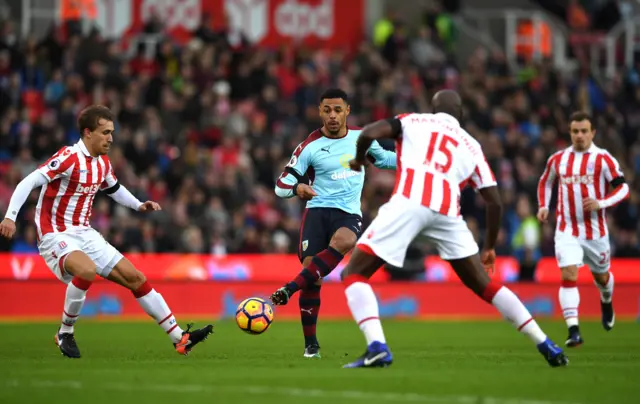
(436, 160)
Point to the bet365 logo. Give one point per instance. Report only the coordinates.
(290, 18)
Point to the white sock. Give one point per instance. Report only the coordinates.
(517, 314)
(569, 298)
(606, 291)
(154, 305)
(364, 308)
(73, 302)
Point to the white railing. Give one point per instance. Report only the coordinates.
(628, 30)
(38, 16)
(511, 39)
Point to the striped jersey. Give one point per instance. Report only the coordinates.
(74, 177)
(436, 159)
(581, 175)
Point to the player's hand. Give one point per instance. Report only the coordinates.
(305, 192)
(356, 165)
(543, 215)
(7, 228)
(149, 206)
(488, 258)
(590, 205)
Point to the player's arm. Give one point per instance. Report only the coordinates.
(59, 165)
(381, 158)
(383, 129)
(484, 181)
(22, 191)
(619, 187)
(545, 186)
(118, 192)
(291, 182)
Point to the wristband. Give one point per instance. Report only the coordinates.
(295, 189)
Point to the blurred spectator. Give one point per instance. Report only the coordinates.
(205, 129)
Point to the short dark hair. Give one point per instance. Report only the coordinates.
(335, 93)
(90, 116)
(580, 116)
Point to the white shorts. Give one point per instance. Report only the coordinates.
(54, 248)
(574, 251)
(400, 221)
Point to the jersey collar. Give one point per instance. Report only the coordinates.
(83, 148)
(333, 138)
(591, 149)
(447, 117)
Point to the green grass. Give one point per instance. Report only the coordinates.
(435, 362)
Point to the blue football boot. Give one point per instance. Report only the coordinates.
(378, 355)
(553, 354)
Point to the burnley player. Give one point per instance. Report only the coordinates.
(332, 221)
(583, 171)
(437, 157)
(74, 251)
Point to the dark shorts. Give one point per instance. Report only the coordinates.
(318, 226)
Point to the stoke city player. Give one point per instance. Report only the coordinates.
(583, 171)
(74, 251)
(332, 221)
(435, 158)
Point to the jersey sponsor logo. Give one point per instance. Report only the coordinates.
(325, 149)
(91, 189)
(577, 179)
(344, 174)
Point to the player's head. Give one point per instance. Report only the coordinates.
(96, 129)
(448, 102)
(581, 131)
(334, 109)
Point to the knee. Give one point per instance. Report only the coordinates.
(570, 273)
(79, 265)
(601, 278)
(133, 280)
(343, 243)
(86, 273)
(138, 279)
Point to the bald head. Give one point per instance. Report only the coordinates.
(448, 102)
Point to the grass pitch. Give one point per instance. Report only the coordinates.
(435, 362)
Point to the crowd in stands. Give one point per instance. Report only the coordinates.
(206, 128)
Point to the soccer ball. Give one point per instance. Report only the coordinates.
(254, 315)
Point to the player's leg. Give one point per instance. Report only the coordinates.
(314, 232)
(386, 239)
(83, 270)
(152, 302)
(569, 256)
(597, 257)
(455, 244)
(309, 302)
(364, 308)
(63, 255)
(314, 239)
(344, 229)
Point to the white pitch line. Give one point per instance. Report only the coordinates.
(279, 391)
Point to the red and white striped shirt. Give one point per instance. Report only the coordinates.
(74, 177)
(581, 175)
(436, 159)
